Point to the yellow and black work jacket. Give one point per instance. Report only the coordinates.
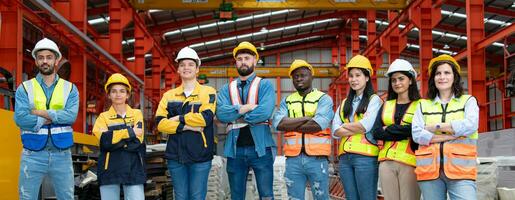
(196, 110)
(399, 151)
(314, 144)
(122, 153)
(456, 157)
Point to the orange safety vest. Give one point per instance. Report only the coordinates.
(398, 150)
(315, 144)
(252, 98)
(457, 157)
(357, 143)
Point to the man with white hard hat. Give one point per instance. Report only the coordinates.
(45, 109)
(186, 115)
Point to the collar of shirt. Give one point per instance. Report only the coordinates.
(357, 98)
(39, 78)
(438, 100)
(249, 79)
(129, 112)
(195, 92)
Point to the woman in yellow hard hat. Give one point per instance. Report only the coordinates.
(445, 126)
(393, 127)
(122, 150)
(186, 115)
(352, 124)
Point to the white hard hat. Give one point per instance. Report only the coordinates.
(401, 65)
(188, 53)
(47, 44)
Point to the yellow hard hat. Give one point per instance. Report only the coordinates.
(245, 45)
(298, 64)
(359, 61)
(117, 78)
(443, 57)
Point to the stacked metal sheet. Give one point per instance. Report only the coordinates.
(218, 182)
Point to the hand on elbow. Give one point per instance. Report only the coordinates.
(247, 108)
(342, 132)
(193, 128)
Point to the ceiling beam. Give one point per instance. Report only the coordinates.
(300, 46)
(329, 32)
(256, 29)
(488, 9)
(170, 26)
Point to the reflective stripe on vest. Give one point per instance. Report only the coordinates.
(459, 156)
(357, 143)
(252, 98)
(315, 144)
(62, 135)
(398, 150)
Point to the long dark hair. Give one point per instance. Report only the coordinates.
(413, 93)
(362, 107)
(457, 89)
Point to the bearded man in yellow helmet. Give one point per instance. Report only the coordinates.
(246, 104)
(305, 117)
(45, 109)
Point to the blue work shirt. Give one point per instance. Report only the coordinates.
(323, 115)
(29, 122)
(261, 133)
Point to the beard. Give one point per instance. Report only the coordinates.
(245, 70)
(46, 69)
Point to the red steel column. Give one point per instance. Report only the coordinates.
(119, 18)
(79, 73)
(355, 35)
(342, 48)
(476, 58)
(278, 104)
(425, 17)
(11, 39)
(75, 12)
(394, 38)
(371, 36)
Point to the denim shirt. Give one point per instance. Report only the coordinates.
(29, 122)
(261, 133)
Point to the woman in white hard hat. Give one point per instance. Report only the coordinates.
(186, 115)
(122, 150)
(352, 124)
(392, 128)
(445, 127)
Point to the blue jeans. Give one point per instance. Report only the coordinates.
(457, 189)
(302, 168)
(130, 192)
(359, 176)
(51, 162)
(189, 180)
(238, 170)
